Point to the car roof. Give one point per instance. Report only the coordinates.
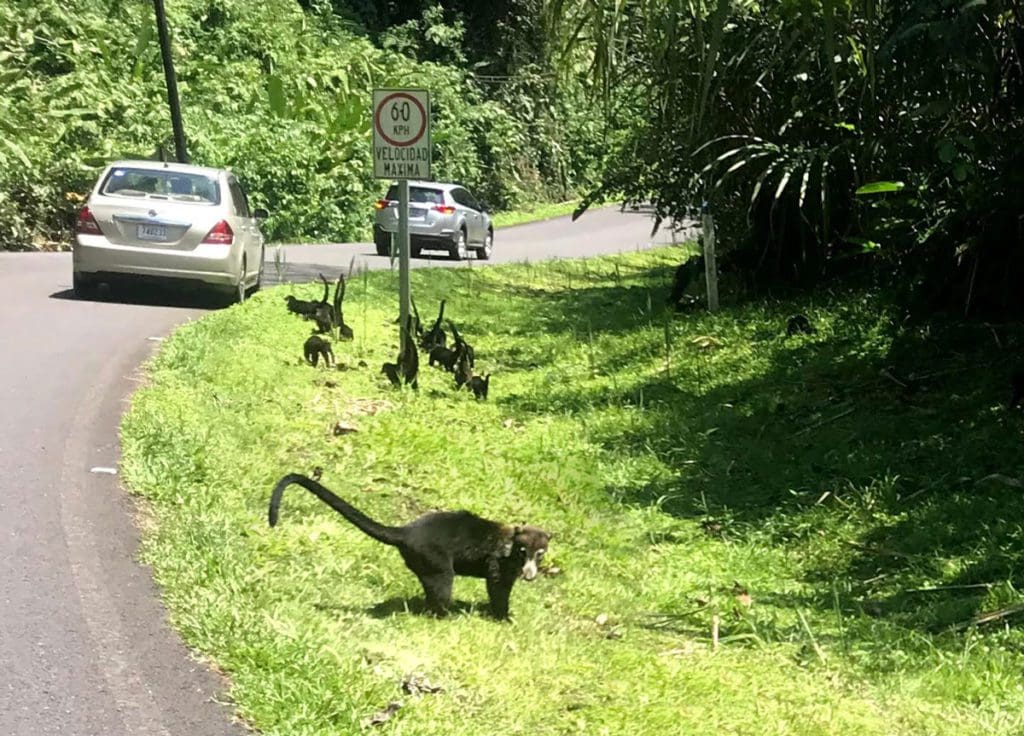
(169, 166)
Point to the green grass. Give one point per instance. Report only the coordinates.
(534, 214)
(671, 455)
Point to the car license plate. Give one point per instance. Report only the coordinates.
(152, 232)
(416, 213)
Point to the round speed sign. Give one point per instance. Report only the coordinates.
(400, 119)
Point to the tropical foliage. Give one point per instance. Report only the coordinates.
(280, 91)
(820, 131)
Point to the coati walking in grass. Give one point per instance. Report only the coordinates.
(480, 386)
(435, 335)
(444, 357)
(316, 347)
(344, 331)
(436, 547)
(407, 366)
(462, 345)
(685, 273)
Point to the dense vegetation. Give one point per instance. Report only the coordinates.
(847, 533)
(280, 91)
(779, 113)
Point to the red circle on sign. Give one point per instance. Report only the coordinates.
(380, 109)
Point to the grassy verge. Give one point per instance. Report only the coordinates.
(534, 214)
(694, 468)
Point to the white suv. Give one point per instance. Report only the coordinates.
(168, 221)
(441, 217)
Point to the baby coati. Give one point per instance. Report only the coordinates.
(435, 335)
(301, 306)
(480, 385)
(445, 357)
(316, 347)
(436, 547)
(462, 345)
(799, 323)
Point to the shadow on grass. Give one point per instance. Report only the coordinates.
(398, 605)
(917, 471)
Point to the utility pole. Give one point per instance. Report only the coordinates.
(172, 83)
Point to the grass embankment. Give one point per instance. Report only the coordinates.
(534, 214)
(673, 456)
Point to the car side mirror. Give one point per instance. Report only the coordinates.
(260, 214)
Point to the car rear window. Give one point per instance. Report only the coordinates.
(161, 184)
(418, 194)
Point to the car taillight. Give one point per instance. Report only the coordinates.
(220, 234)
(87, 224)
(381, 204)
(445, 209)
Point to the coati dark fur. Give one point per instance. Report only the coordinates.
(685, 273)
(435, 335)
(799, 323)
(445, 357)
(344, 331)
(480, 385)
(391, 371)
(324, 319)
(438, 546)
(301, 306)
(1017, 387)
(463, 370)
(462, 345)
(407, 365)
(316, 347)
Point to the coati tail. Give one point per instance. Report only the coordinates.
(386, 534)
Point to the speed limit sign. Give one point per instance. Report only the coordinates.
(401, 134)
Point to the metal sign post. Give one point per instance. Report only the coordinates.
(401, 150)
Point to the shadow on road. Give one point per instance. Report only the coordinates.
(154, 296)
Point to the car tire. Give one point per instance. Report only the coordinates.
(484, 252)
(382, 242)
(83, 286)
(238, 292)
(459, 251)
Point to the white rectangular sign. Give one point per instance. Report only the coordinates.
(401, 134)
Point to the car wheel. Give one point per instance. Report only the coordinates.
(484, 253)
(459, 251)
(382, 242)
(83, 287)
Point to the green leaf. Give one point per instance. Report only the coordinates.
(880, 187)
(275, 92)
(947, 151)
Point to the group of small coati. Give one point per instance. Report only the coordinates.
(460, 359)
(328, 316)
(437, 546)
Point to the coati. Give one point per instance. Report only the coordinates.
(461, 344)
(316, 347)
(463, 370)
(480, 385)
(799, 323)
(444, 357)
(323, 318)
(301, 306)
(1017, 387)
(407, 365)
(344, 331)
(438, 546)
(684, 275)
(435, 335)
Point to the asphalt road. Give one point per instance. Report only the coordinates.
(85, 648)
